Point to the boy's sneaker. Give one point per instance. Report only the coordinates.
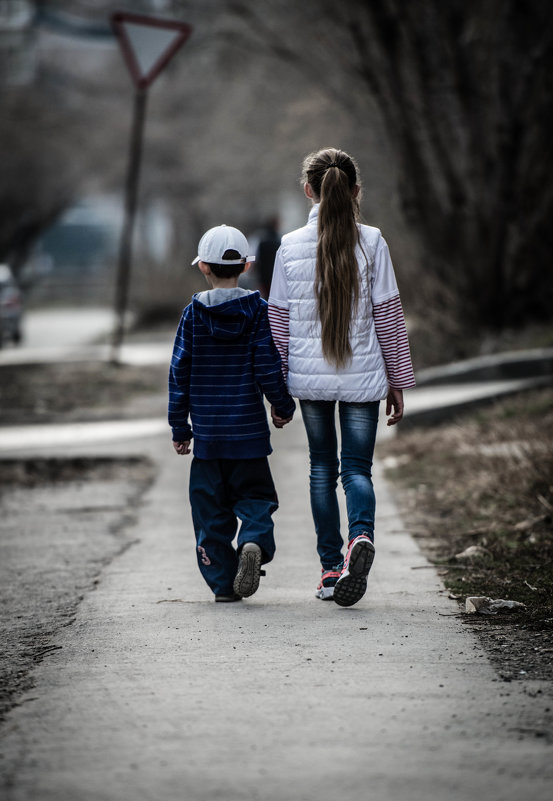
(352, 584)
(246, 581)
(325, 590)
(226, 599)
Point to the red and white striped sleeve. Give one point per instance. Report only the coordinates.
(279, 316)
(279, 321)
(391, 332)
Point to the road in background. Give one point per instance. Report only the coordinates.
(54, 328)
(79, 334)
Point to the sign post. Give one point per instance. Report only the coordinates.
(147, 44)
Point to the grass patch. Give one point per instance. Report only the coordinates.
(63, 392)
(485, 481)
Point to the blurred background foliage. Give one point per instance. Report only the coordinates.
(447, 107)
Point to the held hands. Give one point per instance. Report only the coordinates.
(182, 447)
(394, 401)
(279, 422)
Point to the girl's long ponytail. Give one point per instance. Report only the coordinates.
(333, 176)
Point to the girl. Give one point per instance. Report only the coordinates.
(337, 321)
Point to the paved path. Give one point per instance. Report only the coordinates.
(158, 694)
(54, 335)
(64, 327)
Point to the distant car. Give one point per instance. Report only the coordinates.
(11, 307)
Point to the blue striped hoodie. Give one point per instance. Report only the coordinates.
(224, 361)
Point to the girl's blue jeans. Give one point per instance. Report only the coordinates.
(358, 423)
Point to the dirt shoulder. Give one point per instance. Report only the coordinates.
(478, 497)
(63, 519)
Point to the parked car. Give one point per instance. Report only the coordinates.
(11, 307)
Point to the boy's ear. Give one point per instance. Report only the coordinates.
(247, 266)
(204, 268)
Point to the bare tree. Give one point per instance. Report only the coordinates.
(50, 140)
(465, 93)
(60, 132)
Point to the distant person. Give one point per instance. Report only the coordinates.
(337, 321)
(224, 361)
(269, 243)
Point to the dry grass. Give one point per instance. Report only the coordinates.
(67, 392)
(486, 481)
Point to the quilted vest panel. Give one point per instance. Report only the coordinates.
(310, 376)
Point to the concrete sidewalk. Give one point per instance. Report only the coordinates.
(159, 694)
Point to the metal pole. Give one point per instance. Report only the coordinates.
(131, 197)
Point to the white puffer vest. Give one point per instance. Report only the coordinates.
(310, 376)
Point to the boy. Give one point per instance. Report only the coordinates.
(224, 361)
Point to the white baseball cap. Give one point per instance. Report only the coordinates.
(215, 242)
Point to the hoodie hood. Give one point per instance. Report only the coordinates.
(227, 313)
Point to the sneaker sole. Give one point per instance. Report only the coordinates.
(351, 587)
(246, 581)
(227, 599)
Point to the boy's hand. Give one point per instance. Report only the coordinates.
(279, 422)
(394, 401)
(182, 447)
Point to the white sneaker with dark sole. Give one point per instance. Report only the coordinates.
(249, 570)
(352, 584)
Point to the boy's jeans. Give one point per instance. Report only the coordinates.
(358, 422)
(223, 491)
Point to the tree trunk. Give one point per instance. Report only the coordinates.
(465, 92)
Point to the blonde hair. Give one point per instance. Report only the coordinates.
(333, 176)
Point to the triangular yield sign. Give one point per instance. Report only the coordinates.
(148, 43)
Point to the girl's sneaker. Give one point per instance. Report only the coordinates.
(325, 590)
(352, 583)
(249, 570)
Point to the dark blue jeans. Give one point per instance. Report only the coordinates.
(222, 492)
(358, 422)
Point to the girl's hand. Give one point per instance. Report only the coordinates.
(279, 422)
(394, 401)
(182, 447)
